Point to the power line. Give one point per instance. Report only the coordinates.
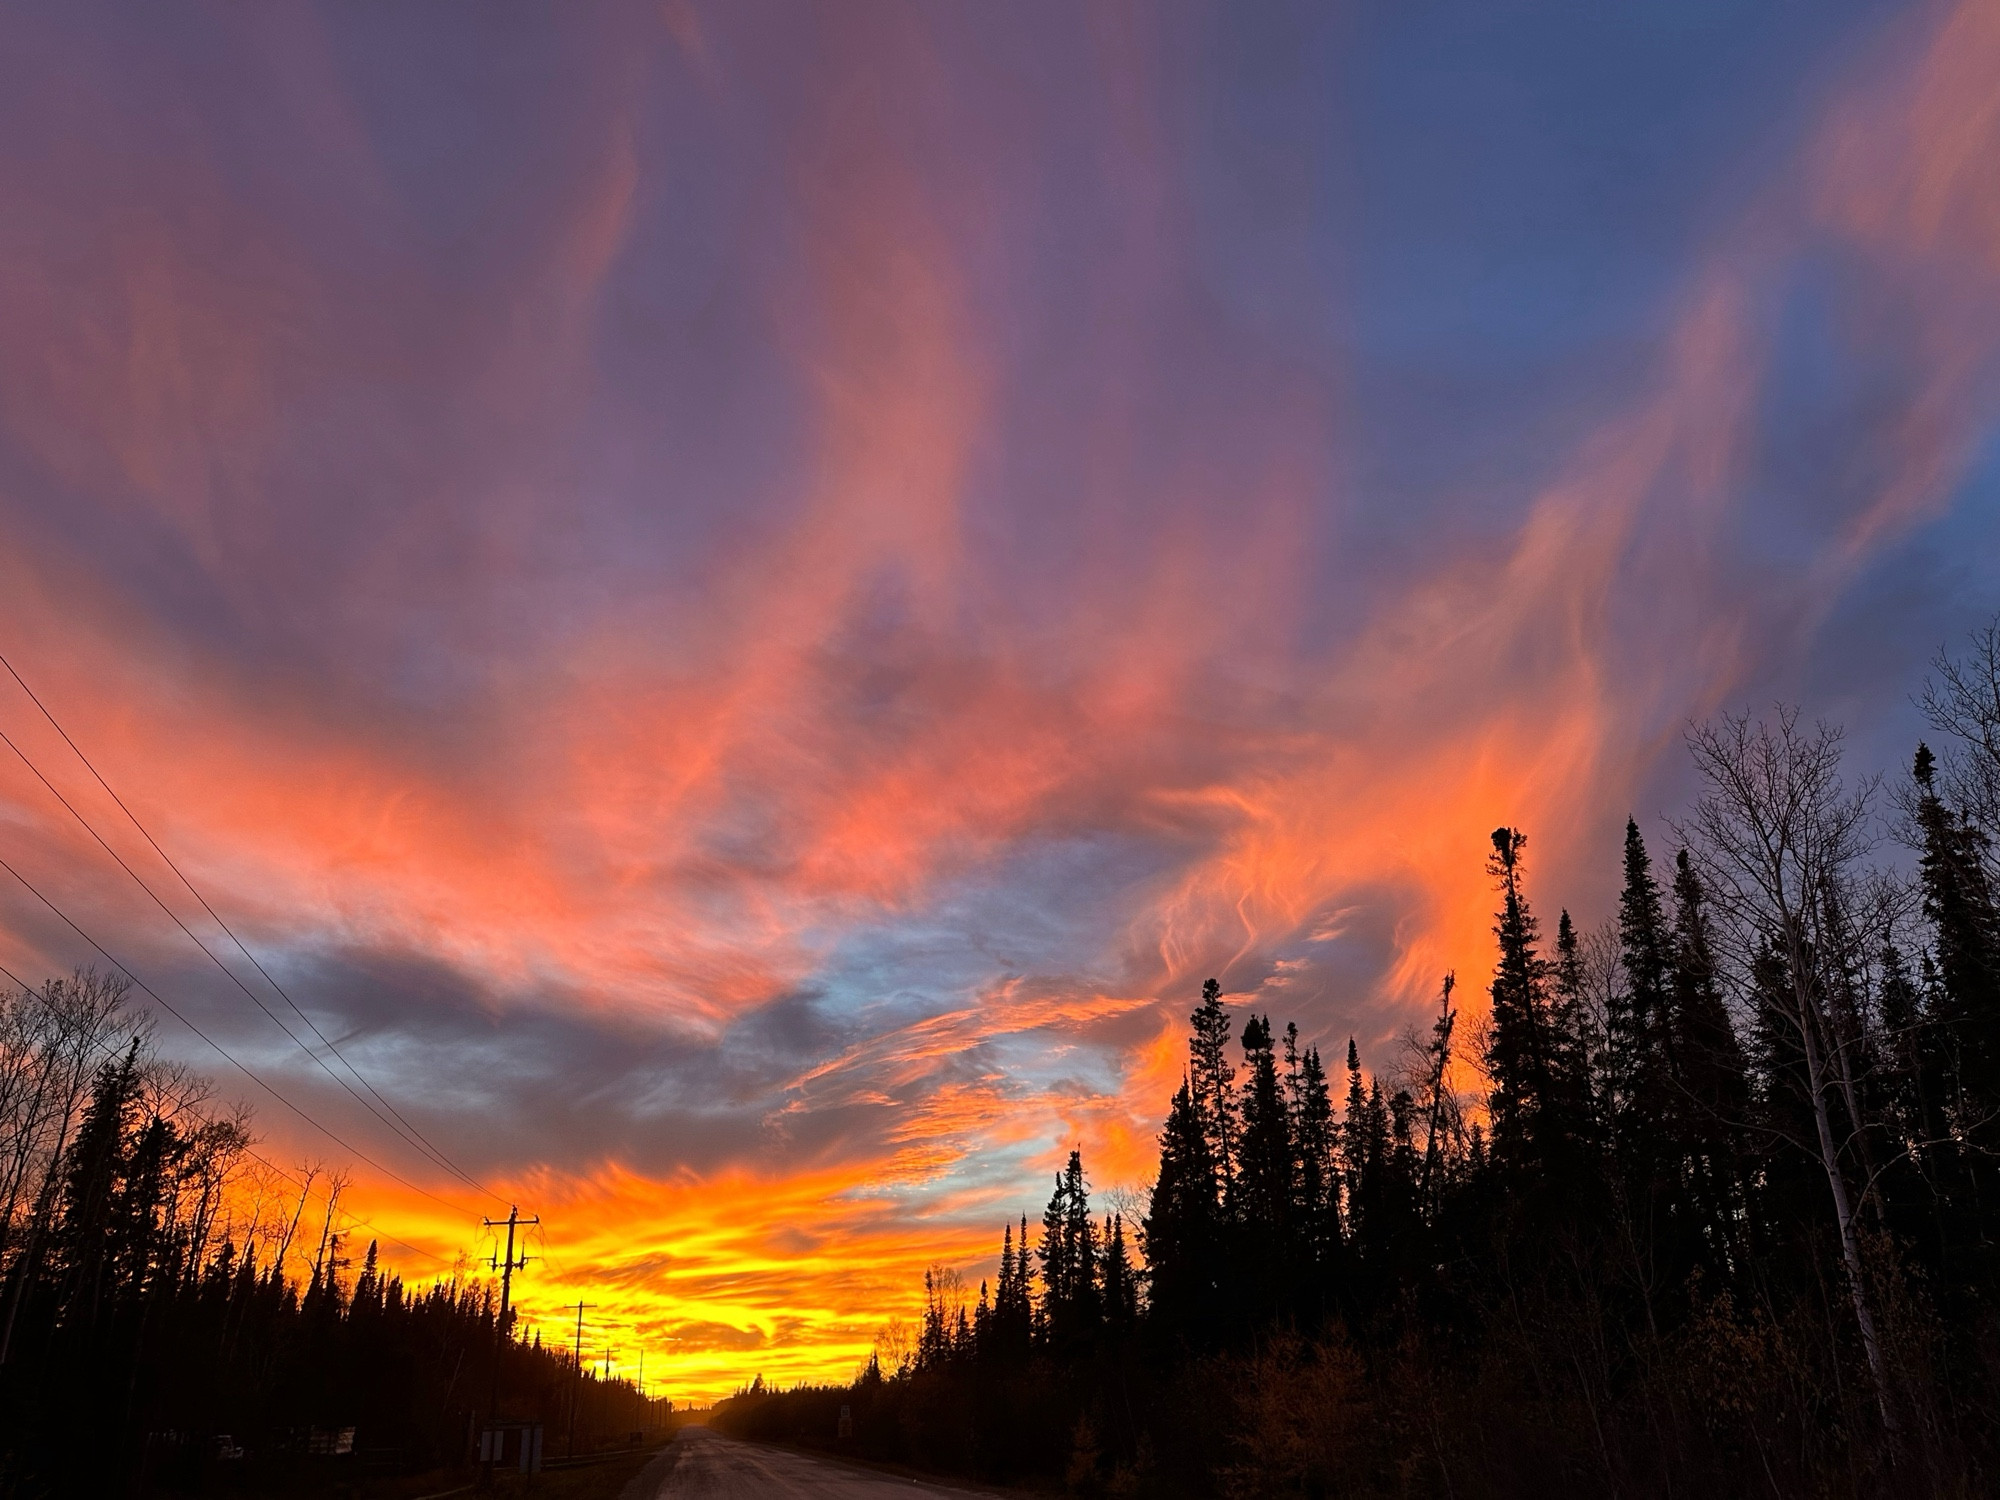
(409, 1131)
(304, 1185)
(174, 917)
(227, 1056)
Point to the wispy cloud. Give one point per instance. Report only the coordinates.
(751, 618)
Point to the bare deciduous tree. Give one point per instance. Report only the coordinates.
(1962, 701)
(1780, 836)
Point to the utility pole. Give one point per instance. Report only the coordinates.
(506, 1267)
(576, 1397)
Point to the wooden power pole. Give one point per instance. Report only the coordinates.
(506, 1266)
(576, 1397)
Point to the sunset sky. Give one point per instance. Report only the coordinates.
(741, 601)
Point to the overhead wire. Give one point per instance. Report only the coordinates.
(304, 1185)
(276, 1020)
(225, 1053)
(408, 1131)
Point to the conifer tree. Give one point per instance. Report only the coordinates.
(1713, 1102)
(1353, 1140)
(1013, 1318)
(1182, 1230)
(1366, 1145)
(1399, 1178)
(1520, 1047)
(1264, 1186)
(93, 1170)
(1053, 1252)
(1316, 1215)
(1927, 1189)
(933, 1343)
(1121, 1287)
(1006, 1259)
(1212, 1082)
(1636, 1037)
(368, 1289)
(1086, 1308)
(1068, 1251)
(1965, 925)
(134, 1247)
(1261, 1200)
(1577, 1045)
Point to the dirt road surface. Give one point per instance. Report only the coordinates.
(702, 1465)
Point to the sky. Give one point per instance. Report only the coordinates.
(741, 601)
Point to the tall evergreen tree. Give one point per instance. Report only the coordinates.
(1212, 1082)
(1120, 1283)
(1366, 1146)
(94, 1170)
(1521, 1044)
(1354, 1142)
(1316, 1214)
(1965, 926)
(1263, 1194)
(1712, 1104)
(1182, 1231)
(1577, 1046)
(1071, 1309)
(136, 1249)
(1636, 1031)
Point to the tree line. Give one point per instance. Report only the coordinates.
(1704, 1199)
(177, 1314)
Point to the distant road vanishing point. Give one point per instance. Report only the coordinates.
(702, 1465)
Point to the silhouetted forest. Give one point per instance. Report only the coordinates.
(1706, 1203)
(175, 1313)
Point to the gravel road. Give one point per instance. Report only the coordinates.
(702, 1465)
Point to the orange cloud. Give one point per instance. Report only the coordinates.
(681, 807)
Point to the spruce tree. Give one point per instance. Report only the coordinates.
(1070, 1304)
(1317, 1203)
(1260, 1206)
(1182, 1230)
(92, 1174)
(1262, 1194)
(1085, 1301)
(1577, 1045)
(135, 1250)
(1636, 1039)
(1925, 1190)
(1965, 926)
(1013, 1317)
(1353, 1141)
(1213, 1081)
(1520, 1045)
(1054, 1254)
(1120, 1285)
(1365, 1145)
(1713, 1102)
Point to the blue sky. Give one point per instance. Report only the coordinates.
(746, 599)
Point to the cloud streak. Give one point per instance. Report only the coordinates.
(750, 632)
